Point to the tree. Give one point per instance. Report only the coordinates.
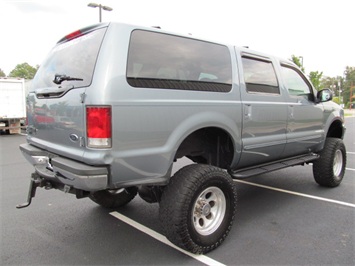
(23, 70)
(336, 100)
(330, 82)
(2, 74)
(298, 62)
(349, 85)
(335, 84)
(315, 78)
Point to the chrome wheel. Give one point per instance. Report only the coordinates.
(338, 163)
(209, 210)
(197, 207)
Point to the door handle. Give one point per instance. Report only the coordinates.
(291, 114)
(247, 112)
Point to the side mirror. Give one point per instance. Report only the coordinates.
(324, 95)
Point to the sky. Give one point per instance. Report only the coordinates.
(321, 31)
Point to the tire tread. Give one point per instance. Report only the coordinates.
(323, 167)
(175, 205)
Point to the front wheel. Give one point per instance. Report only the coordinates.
(198, 207)
(329, 169)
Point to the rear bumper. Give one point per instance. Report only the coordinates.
(54, 168)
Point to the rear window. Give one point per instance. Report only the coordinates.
(75, 58)
(165, 61)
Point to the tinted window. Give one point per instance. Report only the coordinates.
(295, 83)
(75, 58)
(259, 76)
(165, 61)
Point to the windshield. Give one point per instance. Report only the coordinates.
(75, 58)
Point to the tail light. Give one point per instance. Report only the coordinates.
(98, 126)
(71, 36)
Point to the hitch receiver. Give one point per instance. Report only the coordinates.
(36, 181)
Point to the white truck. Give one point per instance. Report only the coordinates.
(12, 104)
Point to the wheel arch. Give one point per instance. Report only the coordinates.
(210, 138)
(336, 129)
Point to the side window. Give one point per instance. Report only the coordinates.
(295, 82)
(164, 61)
(259, 76)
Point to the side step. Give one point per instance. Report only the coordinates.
(265, 168)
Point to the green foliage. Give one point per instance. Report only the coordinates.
(341, 86)
(336, 100)
(349, 85)
(336, 85)
(347, 106)
(331, 83)
(298, 60)
(315, 78)
(2, 74)
(23, 70)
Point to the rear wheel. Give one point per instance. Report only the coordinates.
(198, 207)
(329, 169)
(114, 198)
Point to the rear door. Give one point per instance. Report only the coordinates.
(56, 112)
(264, 112)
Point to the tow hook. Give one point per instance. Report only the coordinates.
(36, 181)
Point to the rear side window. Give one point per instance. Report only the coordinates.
(259, 76)
(75, 58)
(163, 61)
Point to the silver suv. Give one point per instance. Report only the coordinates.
(135, 100)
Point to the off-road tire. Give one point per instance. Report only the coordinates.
(197, 208)
(329, 169)
(112, 199)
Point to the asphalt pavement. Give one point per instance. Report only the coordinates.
(283, 218)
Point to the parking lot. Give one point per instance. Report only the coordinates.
(283, 217)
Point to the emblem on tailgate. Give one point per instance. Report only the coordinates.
(74, 137)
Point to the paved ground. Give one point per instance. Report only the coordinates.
(300, 223)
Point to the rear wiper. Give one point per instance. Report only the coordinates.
(58, 79)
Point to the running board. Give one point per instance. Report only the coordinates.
(265, 168)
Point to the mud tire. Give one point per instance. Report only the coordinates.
(197, 208)
(329, 169)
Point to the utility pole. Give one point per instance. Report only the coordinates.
(339, 91)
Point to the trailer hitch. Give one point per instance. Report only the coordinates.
(36, 181)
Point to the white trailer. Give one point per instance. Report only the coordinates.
(12, 104)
